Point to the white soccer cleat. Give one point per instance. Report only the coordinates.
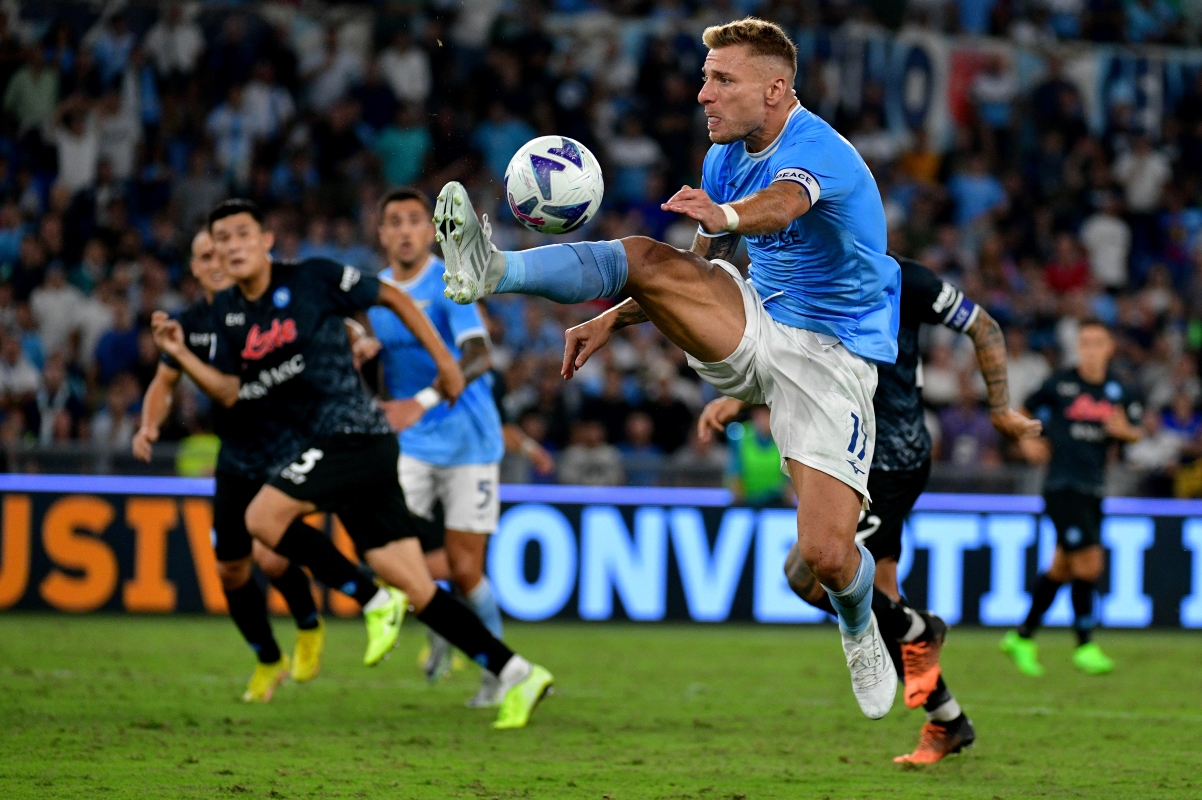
(873, 676)
(473, 265)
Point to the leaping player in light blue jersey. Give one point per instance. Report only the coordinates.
(803, 334)
(448, 453)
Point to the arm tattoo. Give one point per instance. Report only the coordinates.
(475, 359)
(628, 313)
(991, 357)
(716, 247)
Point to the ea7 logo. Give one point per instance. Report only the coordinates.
(234, 319)
(298, 471)
(350, 276)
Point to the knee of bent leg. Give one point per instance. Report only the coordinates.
(801, 579)
(272, 563)
(648, 259)
(825, 562)
(233, 574)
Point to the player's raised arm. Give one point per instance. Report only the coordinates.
(169, 337)
(156, 405)
(450, 382)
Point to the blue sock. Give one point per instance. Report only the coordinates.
(566, 273)
(484, 603)
(853, 603)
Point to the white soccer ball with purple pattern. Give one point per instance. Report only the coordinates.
(554, 184)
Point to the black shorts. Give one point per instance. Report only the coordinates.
(893, 495)
(231, 540)
(355, 477)
(1077, 517)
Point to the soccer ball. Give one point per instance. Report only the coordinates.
(554, 184)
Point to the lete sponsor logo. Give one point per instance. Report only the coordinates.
(261, 342)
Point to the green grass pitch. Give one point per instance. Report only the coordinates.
(116, 707)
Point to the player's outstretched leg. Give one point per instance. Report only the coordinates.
(522, 684)
(293, 585)
(248, 610)
(383, 610)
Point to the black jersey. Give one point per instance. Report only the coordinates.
(902, 440)
(252, 440)
(289, 348)
(1074, 414)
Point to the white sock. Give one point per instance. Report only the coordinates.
(378, 600)
(946, 712)
(515, 671)
(917, 626)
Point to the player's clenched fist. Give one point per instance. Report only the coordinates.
(167, 333)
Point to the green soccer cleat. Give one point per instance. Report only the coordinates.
(1090, 659)
(522, 698)
(1024, 652)
(384, 626)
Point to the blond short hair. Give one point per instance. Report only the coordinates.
(763, 38)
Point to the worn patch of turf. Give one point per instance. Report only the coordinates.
(126, 707)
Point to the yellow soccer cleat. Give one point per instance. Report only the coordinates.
(522, 698)
(384, 626)
(306, 658)
(264, 681)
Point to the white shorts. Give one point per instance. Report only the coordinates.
(468, 493)
(820, 393)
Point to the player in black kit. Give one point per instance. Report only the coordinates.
(1085, 411)
(899, 472)
(249, 447)
(281, 338)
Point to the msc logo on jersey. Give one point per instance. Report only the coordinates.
(234, 319)
(350, 276)
(298, 471)
(259, 342)
(282, 297)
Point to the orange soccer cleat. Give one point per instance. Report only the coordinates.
(920, 661)
(939, 739)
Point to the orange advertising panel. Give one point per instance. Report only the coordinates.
(140, 545)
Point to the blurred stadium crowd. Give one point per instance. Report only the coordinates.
(122, 128)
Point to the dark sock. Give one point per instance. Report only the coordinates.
(248, 610)
(309, 547)
(1041, 601)
(294, 586)
(824, 603)
(1082, 592)
(938, 697)
(891, 617)
(456, 623)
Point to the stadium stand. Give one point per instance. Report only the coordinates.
(1051, 179)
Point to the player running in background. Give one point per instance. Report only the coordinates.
(449, 454)
(1084, 410)
(282, 338)
(900, 468)
(802, 334)
(250, 445)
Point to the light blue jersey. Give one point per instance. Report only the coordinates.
(469, 433)
(827, 272)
